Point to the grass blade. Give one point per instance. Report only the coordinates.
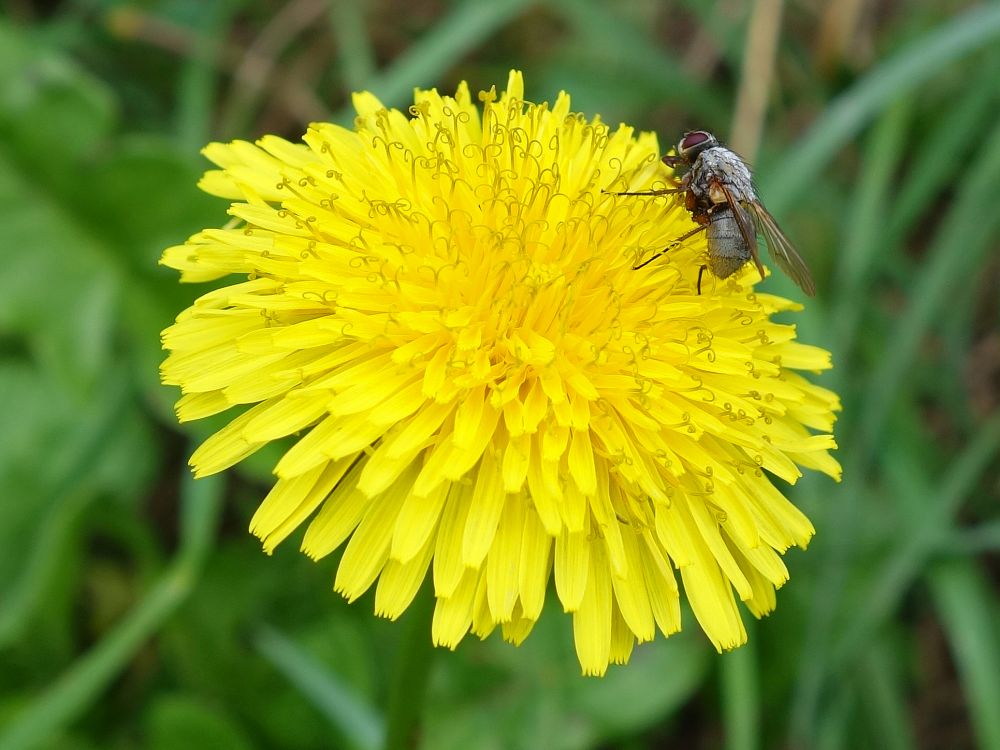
(605, 33)
(833, 731)
(945, 149)
(82, 684)
(967, 607)
(898, 76)
(962, 240)
(196, 85)
(465, 27)
(842, 518)
(72, 493)
(359, 724)
(900, 569)
(922, 539)
(347, 24)
(884, 700)
(982, 538)
(864, 243)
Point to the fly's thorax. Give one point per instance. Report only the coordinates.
(719, 164)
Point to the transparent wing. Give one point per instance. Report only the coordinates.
(745, 223)
(781, 250)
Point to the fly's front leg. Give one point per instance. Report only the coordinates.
(664, 191)
(672, 245)
(680, 186)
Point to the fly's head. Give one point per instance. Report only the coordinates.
(693, 143)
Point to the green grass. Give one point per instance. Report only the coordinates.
(135, 609)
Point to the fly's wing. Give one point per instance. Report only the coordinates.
(745, 223)
(781, 250)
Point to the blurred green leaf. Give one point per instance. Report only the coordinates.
(885, 585)
(884, 699)
(951, 139)
(143, 198)
(982, 538)
(73, 428)
(83, 683)
(963, 239)
(623, 701)
(608, 47)
(356, 721)
(921, 59)
(197, 85)
(967, 605)
(347, 23)
(52, 114)
(241, 590)
(534, 696)
(78, 223)
(927, 531)
(864, 242)
(80, 461)
(833, 730)
(178, 722)
(72, 263)
(467, 24)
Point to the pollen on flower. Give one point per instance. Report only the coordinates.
(440, 308)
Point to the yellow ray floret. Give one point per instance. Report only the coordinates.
(439, 309)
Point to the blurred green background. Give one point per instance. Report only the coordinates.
(137, 612)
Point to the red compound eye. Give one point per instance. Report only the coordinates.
(692, 139)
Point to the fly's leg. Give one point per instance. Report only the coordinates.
(664, 191)
(700, 272)
(672, 245)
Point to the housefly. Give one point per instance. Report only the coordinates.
(720, 194)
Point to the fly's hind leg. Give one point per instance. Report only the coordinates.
(701, 271)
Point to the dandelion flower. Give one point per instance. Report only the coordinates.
(438, 310)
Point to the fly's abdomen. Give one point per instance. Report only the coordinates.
(727, 250)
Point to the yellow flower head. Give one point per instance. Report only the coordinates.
(441, 308)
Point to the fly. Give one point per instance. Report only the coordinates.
(720, 194)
